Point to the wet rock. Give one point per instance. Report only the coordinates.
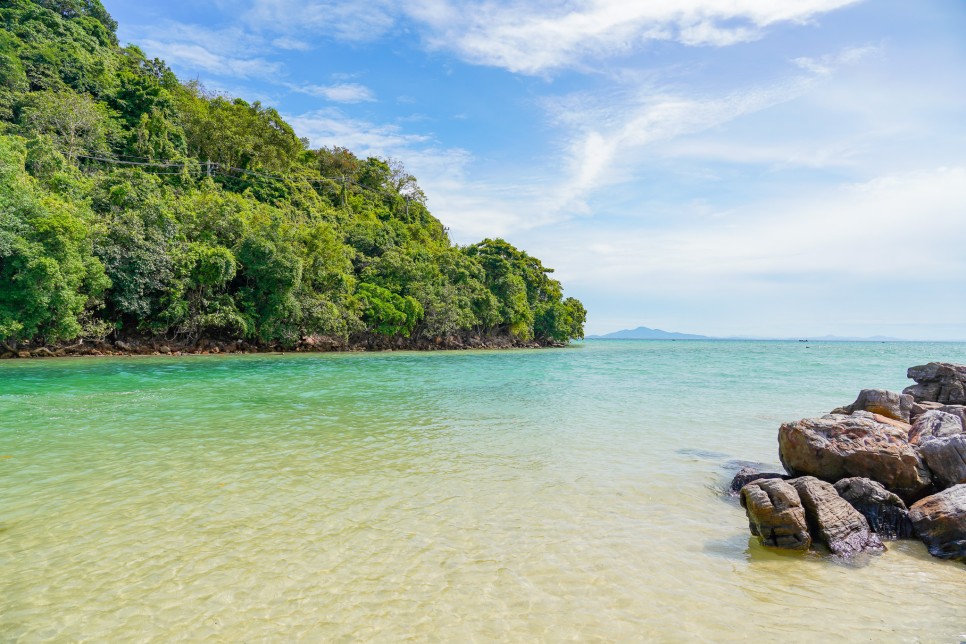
(881, 401)
(832, 520)
(938, 381)
(940, 521)
(886, 513)
(935, 424)
(946, 458)
(775, 514)
(835, 447)
(748, 474)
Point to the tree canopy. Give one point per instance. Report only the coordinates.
(135, 205)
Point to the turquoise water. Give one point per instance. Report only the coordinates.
(519, 495)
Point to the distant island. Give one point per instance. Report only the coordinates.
(647, 333)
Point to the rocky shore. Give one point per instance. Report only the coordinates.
(888, 466)
(310, 344)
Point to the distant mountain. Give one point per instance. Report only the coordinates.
(645, 333)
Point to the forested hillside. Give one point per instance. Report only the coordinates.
(138, 208)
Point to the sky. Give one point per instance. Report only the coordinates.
(772, 168)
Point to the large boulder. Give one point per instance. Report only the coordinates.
(938, 381)
(836, 446)
(832, 520)
(940, 521)
(881, 401)
(934, 424)
(886, 513)
(748, 474)
(956, 410)
(946, 458)
(775, 514)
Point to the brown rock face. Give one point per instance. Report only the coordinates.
(775, 514)
(946, 458)
(940, 521)
(832, 520)
(886, 513)
(835, 447)
(939, 382)
(884, 402)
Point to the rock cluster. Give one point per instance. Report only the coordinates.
(887, 466)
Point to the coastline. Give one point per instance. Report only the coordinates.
(311, 344)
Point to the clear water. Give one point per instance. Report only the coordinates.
(522, 495)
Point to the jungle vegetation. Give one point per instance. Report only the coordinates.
(136, 205)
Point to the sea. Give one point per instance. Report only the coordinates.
(520, 495)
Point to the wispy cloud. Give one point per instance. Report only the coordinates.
(339, 92)
(540, 37)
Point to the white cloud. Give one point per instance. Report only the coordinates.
(540, 37)
(346, 21)
(291, 44)
(197, 57)
(339, 93)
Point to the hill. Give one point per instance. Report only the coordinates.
(138, 208)
(645, 333)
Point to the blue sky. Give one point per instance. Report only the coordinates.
(726, 167)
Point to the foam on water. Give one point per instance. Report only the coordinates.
(519, 495)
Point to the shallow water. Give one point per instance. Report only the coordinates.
(521, 495)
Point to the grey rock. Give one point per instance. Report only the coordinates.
(940, 521)
(955, 410)
(775, 514)
(884, 402)
(833, 521)
(938, 381)
(835, 447)
(886, 513)
(934, 424)
(946, 458)
(748, 474)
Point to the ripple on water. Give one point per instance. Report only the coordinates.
(513, 496)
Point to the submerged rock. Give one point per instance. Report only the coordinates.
(832, 520)
(934, 424)
(938, 381)
(881, 401)
(748, 474)
(886, 513)
(940, 521)
(836, 446)
(775, 514)
(946, 458)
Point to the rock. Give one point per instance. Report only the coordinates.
(835, 447)
(955, 410)
(946, 458)
(775, 514)
(881, 401)
(165, 349)
(886, 513)
(938, 381)
(934, 424)
(123, 346)
(43, 352)
(940, 521)
(834, 521)
(748, 474)
(919, 408)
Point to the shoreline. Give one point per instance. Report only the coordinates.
(313, 344)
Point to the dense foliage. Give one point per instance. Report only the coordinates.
(223, 223)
